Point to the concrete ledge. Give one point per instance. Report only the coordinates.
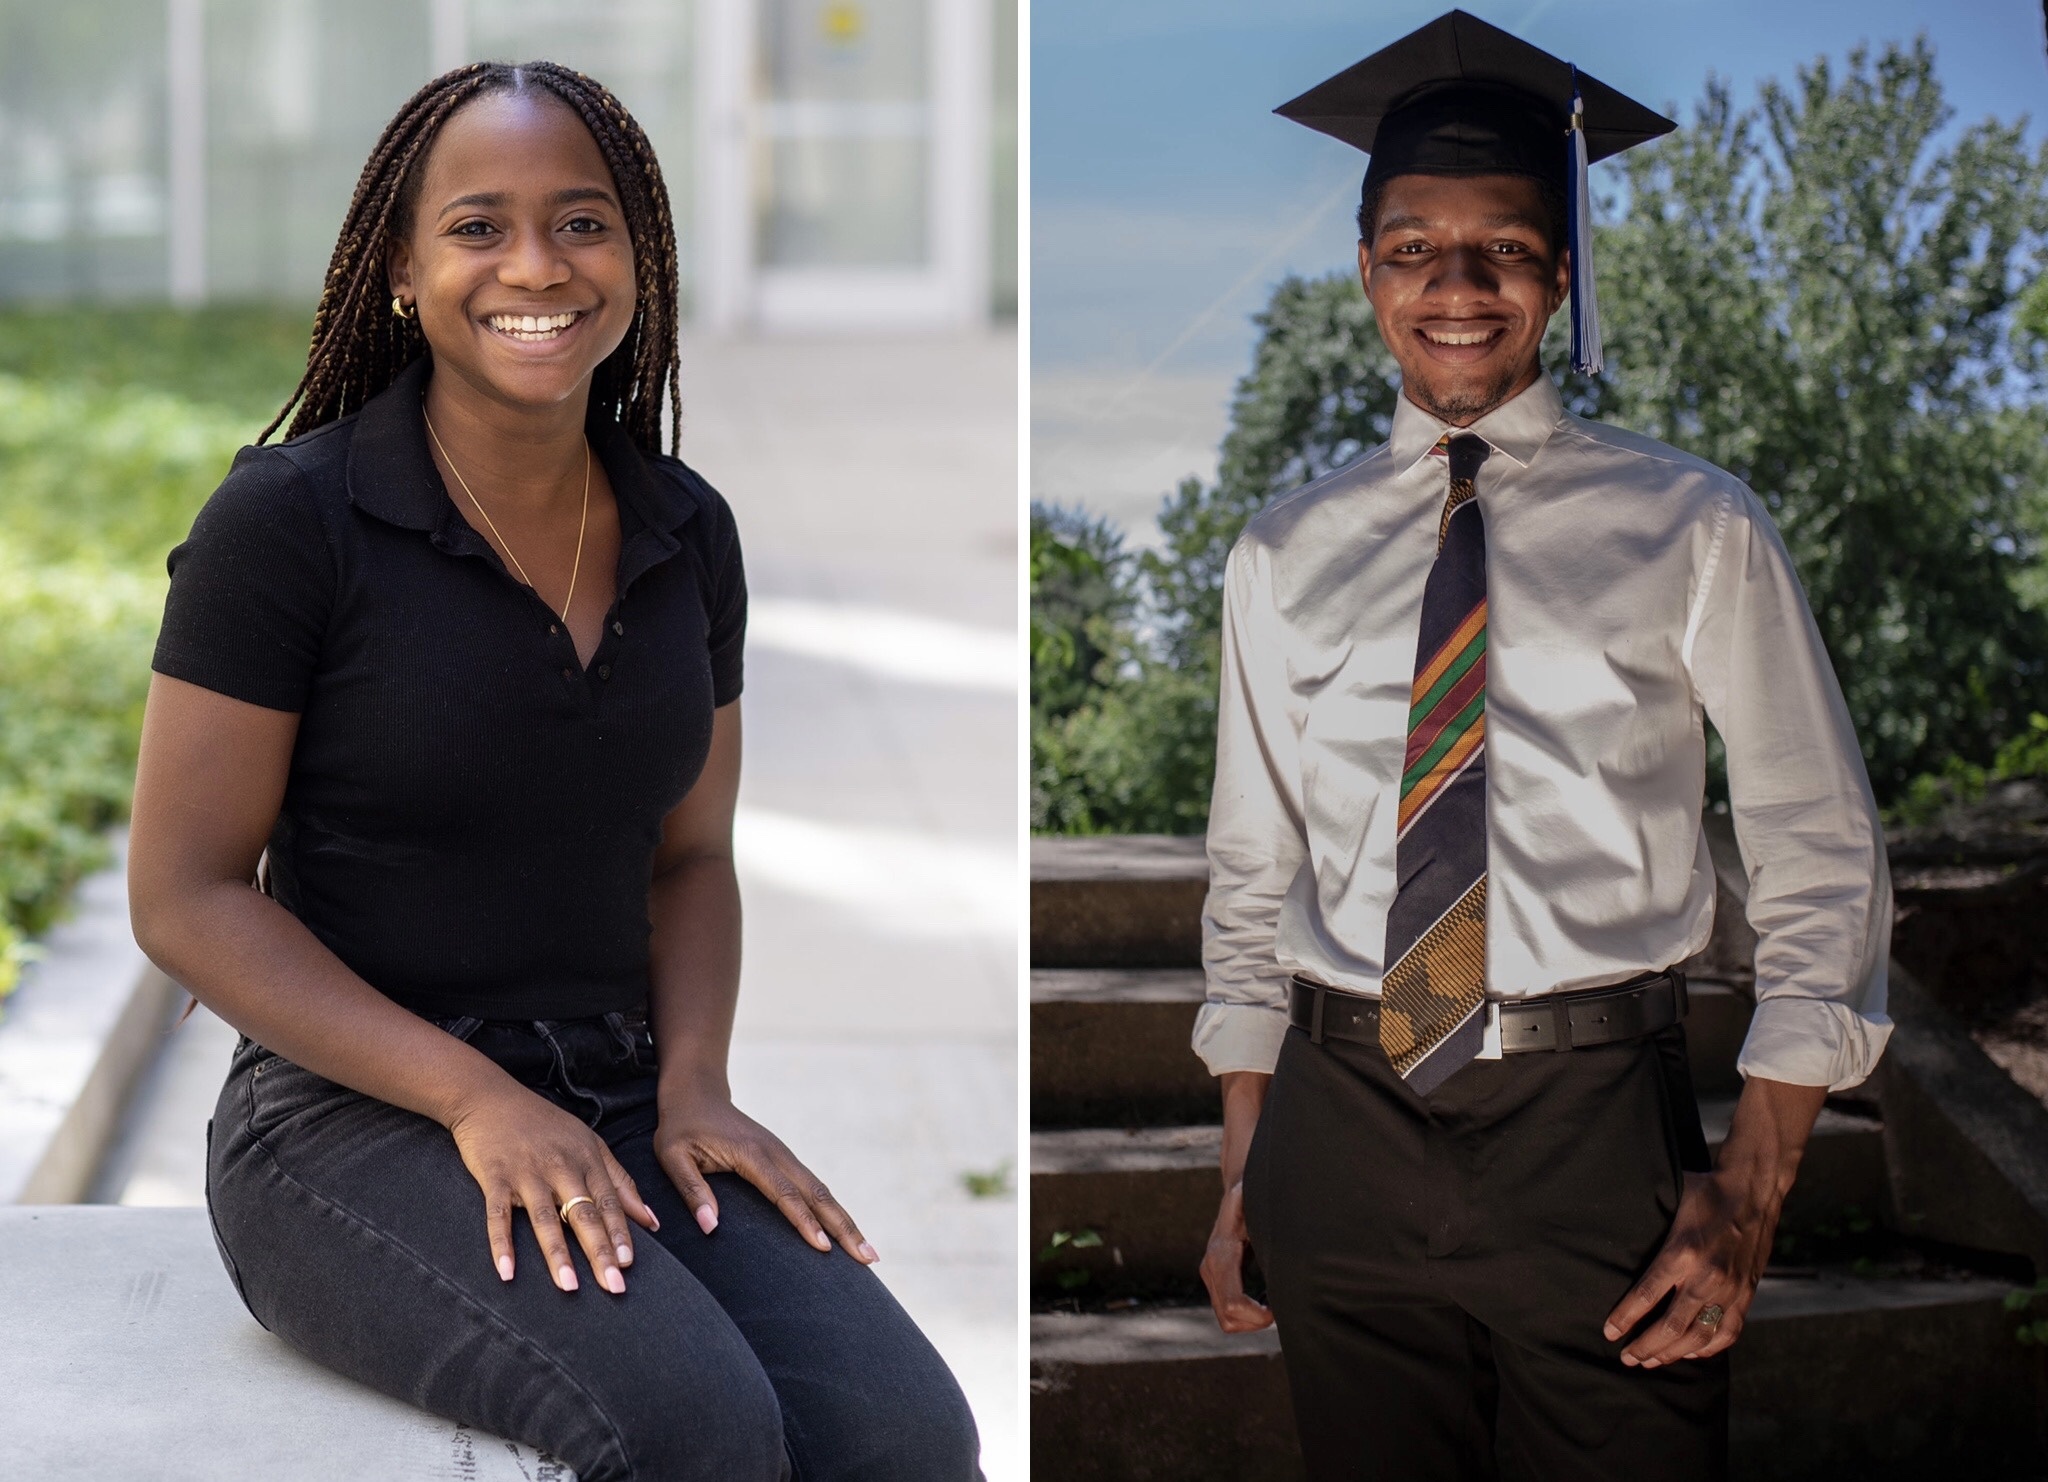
(84, 1023)
(125, 1356)
(1966, 1144)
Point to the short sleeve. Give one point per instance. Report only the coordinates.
(725, 595)
(251, 588)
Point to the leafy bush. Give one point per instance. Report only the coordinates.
(114, 427)
(74, 667)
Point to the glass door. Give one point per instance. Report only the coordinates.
(852, 185)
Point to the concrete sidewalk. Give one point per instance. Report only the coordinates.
(875, 488)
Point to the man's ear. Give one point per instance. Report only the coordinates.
(1562, 288)
(1365, 265)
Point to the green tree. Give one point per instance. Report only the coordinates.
(1814, 297)
(1808, 293)
(1120, 741)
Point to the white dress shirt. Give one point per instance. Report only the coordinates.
(1630, 587)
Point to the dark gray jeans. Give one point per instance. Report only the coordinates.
(353, 1231)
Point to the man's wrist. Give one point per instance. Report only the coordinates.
(1767, 1138)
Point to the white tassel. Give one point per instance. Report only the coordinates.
(1587, 358)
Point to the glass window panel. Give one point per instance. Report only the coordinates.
(82, 162)
(297, 92)
(844, 202)
(844, 123)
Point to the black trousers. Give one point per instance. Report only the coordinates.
(1440, 1268)
(352, 1231)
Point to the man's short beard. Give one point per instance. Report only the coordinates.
(1467, 405)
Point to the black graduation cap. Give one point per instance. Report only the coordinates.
(1461, 97)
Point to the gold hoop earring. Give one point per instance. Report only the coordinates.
(402, 309)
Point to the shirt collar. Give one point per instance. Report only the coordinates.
(1519, 427)
(392, 476)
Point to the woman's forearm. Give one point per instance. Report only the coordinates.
(257, 966)
(694, 960)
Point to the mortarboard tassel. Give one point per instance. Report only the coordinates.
(1586, 348)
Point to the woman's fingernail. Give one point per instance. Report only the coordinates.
(707, 1218)
(565, 1278)
(504, 1268)
(867, 1252)
(613, 1282)
(625, 1255)
(1612, 1332)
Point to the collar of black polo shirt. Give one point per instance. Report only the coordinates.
(392, 475)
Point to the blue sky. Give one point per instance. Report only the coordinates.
(1166, 198)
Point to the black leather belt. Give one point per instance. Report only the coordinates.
(1552, 1021)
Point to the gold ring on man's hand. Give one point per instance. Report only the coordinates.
(586, 1199)
(1711, 1315)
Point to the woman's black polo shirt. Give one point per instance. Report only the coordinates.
(471, 817)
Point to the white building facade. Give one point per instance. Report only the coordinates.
(834, 164)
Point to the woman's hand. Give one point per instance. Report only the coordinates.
(525, 1151)
(705, 1133)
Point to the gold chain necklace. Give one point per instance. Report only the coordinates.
(582, 522)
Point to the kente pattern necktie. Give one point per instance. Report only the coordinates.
(1434, 987)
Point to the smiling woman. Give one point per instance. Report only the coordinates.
(456, 671)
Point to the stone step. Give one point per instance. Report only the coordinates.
(1121, 900)
(1109, 1046)
(1136, 1204)
(1881, 1379)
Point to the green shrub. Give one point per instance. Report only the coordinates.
(114, 427)
(74, 667)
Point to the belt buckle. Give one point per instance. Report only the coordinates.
(1489, 1044)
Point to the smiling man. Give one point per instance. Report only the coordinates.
(1457, 818)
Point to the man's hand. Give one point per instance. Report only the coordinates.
(1223, 1269)
(1244, 1097)
(1720, 1239)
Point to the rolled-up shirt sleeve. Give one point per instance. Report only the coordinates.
(1819, 889)
(1256, 839)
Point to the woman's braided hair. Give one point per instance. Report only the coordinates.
(359, 346)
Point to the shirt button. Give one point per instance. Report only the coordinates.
(604, 671)
(553, 629)
(568, 673)
(619, 628)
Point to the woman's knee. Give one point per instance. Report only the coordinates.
(722, 1428)
(910, 1426)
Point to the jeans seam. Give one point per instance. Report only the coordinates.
(491, 1319)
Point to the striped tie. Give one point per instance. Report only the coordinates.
(1435, 983)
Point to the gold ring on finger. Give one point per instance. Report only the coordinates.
(1711, 1315)
(586, 1199)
